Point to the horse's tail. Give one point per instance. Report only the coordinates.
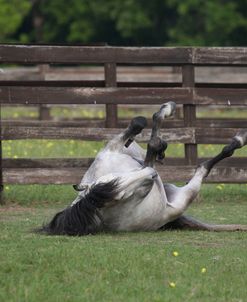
(83, 217)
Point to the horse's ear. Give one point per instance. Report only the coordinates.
(78, 188)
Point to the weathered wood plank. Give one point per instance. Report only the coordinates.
(219, 56)
(217, 175)
(189, 111)
(42, 83)
(215, 135)
(111, 109)
(141, 55)
(80, 163)
(19, 163)
(120, 95)
(220, 96)
(182, 135)
(123, 123)
(221, 123)
(27, 54)
(133, 84)
(84, 123)
(126, 75)
(69, 95)
(1, 161)
(74, 175)
(43, 176)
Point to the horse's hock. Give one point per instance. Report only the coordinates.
(132, 76)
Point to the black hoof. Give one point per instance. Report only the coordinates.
(161, 151)
(137, 125)
(166, 110)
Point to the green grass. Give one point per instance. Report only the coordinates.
(69, 112)
(122, 266)
(75, 148)
(50, 148)
(39, 195)
(223, 112)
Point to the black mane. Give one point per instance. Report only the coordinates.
(82, 218)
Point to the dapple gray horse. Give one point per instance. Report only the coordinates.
(122, 191)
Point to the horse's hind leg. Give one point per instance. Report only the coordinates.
(180, 198)
(238, 141)
(185, 222)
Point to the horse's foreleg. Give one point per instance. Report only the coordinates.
(157, 146)
(125, 139)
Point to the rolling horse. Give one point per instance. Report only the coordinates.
(122, 191)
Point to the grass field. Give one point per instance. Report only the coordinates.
(118, 266)
(123, 266)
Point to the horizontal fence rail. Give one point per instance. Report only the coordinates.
(71, 95)
(186, 135)
(73, 175)
(27, 54)
(123, 123)
(115, 83)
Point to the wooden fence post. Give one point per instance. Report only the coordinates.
(188, 78)
(44, 110)
(1, 161)
(111, 81)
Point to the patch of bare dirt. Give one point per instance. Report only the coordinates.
(15, 208)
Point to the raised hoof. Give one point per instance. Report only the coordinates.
(241, 137)
(137, 125)
(166, 110)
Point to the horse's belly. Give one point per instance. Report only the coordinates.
(147, 215)
(110, 162)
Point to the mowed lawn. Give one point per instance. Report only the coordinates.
(125, 266)
(206, 266)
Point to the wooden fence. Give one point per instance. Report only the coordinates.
(188, 130)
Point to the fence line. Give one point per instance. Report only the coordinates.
(183, 88)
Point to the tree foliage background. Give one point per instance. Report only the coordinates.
(125, 22)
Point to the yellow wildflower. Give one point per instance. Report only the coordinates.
(219, 187)
(172, 284)
(49, 145)
(175, 253)
(203, 270)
